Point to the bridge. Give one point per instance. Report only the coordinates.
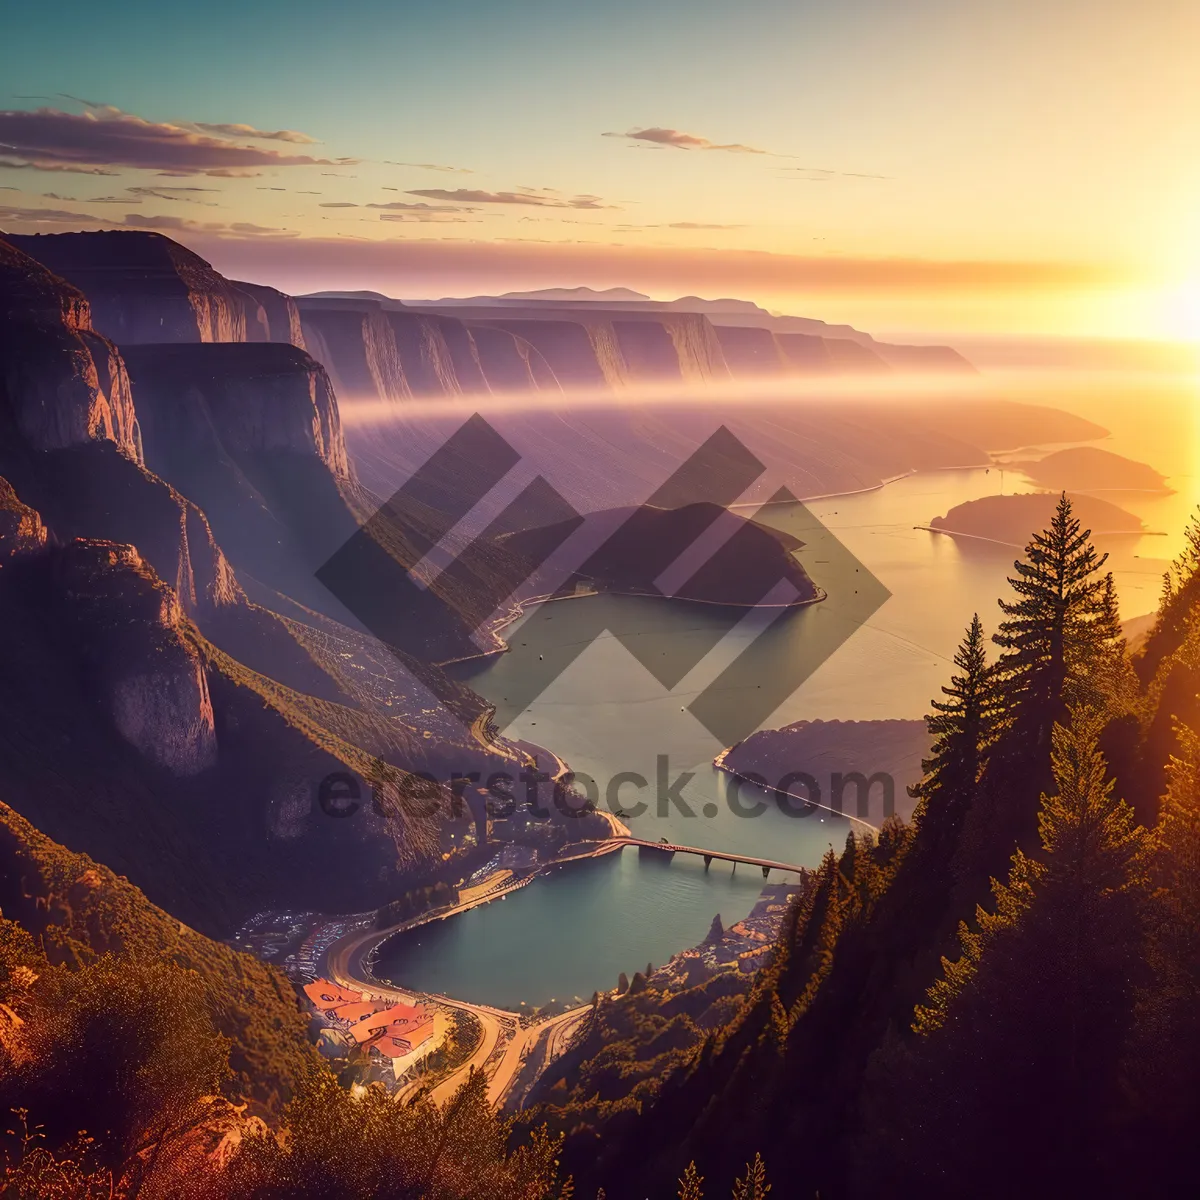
(767, 864)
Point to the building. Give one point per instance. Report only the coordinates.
(326, 997)
(393, 1029)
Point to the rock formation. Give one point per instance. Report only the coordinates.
(144, 287)
(61, 383)
(148, 672)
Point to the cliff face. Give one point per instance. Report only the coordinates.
(279, 317)
(256, 399)
(61, 383)
(149, 675)
(355, 342)
(377, 349)
(593, 347)
(143, 287)
(21, 528)
(253, 434)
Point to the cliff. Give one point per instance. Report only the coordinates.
(61, 383)
(253, 434)
(258, 399)
(279, 317)
(148, 674)
(379, 349)
(144, 287)
(592, 346)
(21, 528)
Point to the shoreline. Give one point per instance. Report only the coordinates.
(519, 608)
(720, 763)
(979, 537)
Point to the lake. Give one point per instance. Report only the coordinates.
(574, 931)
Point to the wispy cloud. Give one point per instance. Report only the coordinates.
(431, 167)
(823, 174)
(538, 197)
(53, 216)
(678, 225)
(11, 165)
(248, 131)
(184, 225)
(183, 195)
(676, 139)
(104, 137)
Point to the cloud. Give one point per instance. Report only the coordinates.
(821, 174)
(248, 131)
(9, 165)
(429, 214)
(406, 206)
(337, 204)
(676, 139)
(185, 195)
(55, 216)
(46, 138)
(431, 167)
(184, 225)
(543, 197)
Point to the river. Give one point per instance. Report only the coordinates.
(574, 931)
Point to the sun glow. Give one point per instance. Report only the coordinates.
(1181, 311)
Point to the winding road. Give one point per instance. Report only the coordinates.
(345, 965)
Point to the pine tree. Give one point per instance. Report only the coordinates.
(1040, 999)
(1056, 623)
(961, 726)
(1163, 1061)
(691, 1184)
(1178, 604)
(753, 1185)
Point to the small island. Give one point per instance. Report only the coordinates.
(747, 564)
(1090, 469)
(1012, 520)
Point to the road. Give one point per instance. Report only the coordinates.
(344, 965)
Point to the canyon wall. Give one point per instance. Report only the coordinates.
(149, 674)
(61, 383)
(144, 287)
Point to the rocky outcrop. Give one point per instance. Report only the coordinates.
(512, 364)
(61, 383)
(253, 434)
(750, 352)
(21, 528)
(147, 671)
(144, 287)
(591, 347)
(254, 399)
(279, 318)
(354, 341)
(378, 349)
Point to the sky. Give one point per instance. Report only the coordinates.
(999, 166)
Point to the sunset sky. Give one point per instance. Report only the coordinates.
(939, 165)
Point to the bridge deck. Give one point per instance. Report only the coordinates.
(749, 860)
